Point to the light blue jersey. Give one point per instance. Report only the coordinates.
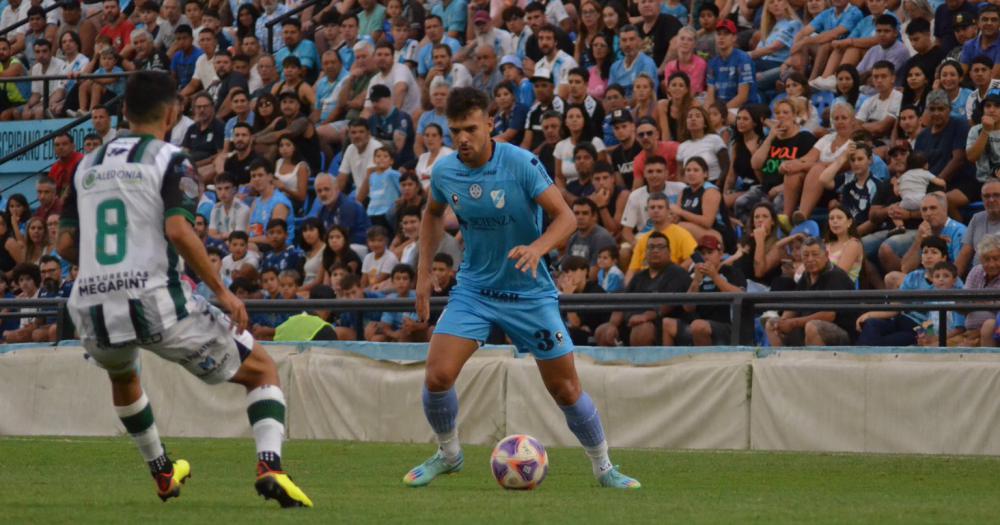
(496, 208)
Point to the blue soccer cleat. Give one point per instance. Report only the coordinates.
(616, 480)
(436, 465)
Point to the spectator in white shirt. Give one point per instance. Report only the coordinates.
(45, 65)
(358, 157)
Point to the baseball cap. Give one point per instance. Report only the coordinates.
(993, 97)
(542, 73)
(621, 116)
(962, 20)
(709, 242)
(481, 17)
(512, 60)
(726, 25)
(379, 91)
(808, 228)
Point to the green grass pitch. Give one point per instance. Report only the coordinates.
(102, 480)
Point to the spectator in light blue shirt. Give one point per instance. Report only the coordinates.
(454, 15)
(381, 187)
(305, 50)
(513, 71)
(830, 25)
(434, 30)
(334, 73)
(778, 27)
(272, 10)
(635, 62)
(731, 73)
(370, 18)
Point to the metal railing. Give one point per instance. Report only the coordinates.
(743, 307)
(47, 79)
(19, 23)
(269, 25)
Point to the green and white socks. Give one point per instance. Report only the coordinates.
(266, 410)
(138, 420)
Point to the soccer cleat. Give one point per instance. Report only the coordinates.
(168, 484)
(276, 485)
(425, 472)
(616, 480)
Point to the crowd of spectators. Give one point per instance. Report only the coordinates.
(704, 147)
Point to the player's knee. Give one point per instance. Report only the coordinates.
(565, 392)
(439, 378)
(257, 369)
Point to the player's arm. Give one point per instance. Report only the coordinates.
(563, 225)
(431, 232)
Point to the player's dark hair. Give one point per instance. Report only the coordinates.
(584, 201)
(277, 223)
(29, 269)
(574, 263)
(147, 96)
(947, 266)
(445, 259)
(239, 235)
(403, 268)
(463, 101)
(937, 243)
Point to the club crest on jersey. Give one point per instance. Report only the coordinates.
(476, 191)
(89, 179)
(499, 199)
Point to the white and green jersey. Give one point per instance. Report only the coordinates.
(129, 286)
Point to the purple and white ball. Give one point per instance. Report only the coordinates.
(519, 462)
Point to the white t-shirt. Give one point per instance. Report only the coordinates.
(398, 73)
(356, 163)
(424, 165)
(707, 148)
(180, 130)
(236, 219)
(635, 215)
(825, 147)
(11, 16)
(459, 76)
(559, 66)
(555, 12)
(229, 265)
(57, 66)
(563, 154)
(372, 266)
(204, 71)
(289, 181)
(874, 109)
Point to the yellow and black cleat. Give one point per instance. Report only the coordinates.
(168, 484)
(276, 485)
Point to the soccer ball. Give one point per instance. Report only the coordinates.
(519, 462)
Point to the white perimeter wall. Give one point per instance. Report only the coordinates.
(824, 401)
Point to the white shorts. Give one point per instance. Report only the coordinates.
(202, 342)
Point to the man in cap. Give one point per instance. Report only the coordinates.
(712, 324)
(730, 73)
(628, 148)
(545, 100)
(389, 125)
(947, 22)
(965, 31)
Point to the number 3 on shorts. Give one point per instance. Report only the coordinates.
(545, 342)
(112, 227)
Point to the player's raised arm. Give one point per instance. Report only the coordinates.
(563, 225)
(431, 231)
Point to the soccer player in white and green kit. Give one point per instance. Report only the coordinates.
(498, 192)
(127, 218)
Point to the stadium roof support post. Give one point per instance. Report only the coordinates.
(271, 23)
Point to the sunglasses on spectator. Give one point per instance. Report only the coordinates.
(645, 133)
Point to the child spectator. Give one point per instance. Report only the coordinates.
(284, 285)
(94, 92)
(944, 275)
(398, 326)
(911, 187)
(238, 254)
(350, 324)
(282, 255)
(609, 275)
(379, 262)
(381, 188)
(215, 258)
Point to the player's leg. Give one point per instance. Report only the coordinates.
(563, 384)
(136, 414)
(445, 359)
(461, 328)
(538, 327)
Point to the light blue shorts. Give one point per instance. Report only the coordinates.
(533, 325)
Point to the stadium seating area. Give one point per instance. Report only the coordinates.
(774, 145)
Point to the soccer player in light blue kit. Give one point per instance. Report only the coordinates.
(498, 192)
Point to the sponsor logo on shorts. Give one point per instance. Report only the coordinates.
(497, 295)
